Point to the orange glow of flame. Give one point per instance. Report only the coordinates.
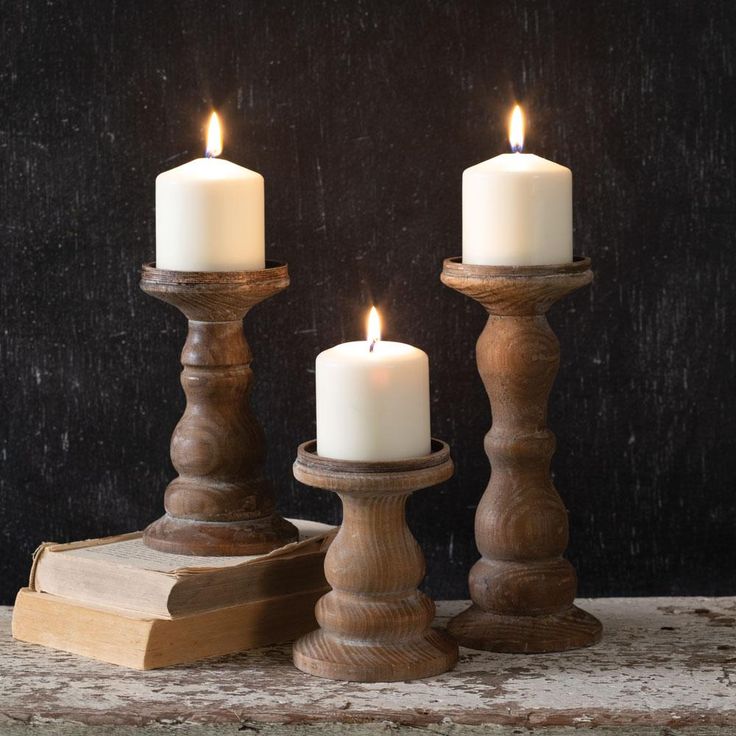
(516, 130)
(374, 328)
(214, 137)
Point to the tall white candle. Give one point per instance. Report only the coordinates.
(517, 208)
(373, 400)
(210, 214)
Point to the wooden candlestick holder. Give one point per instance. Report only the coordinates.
(220, 504)
(375, 624)
(522, 588)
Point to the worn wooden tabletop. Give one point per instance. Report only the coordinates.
(665, 666)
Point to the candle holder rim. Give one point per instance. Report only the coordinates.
(455, 267)
(274, 270)
(308, 458)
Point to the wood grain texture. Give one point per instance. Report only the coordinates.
(522, 588)
(666, 669)
(220, 503)
(375, 625)
(362, 116)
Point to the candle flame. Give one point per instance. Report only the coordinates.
(516, 130)
(374, 328)
(214, 137)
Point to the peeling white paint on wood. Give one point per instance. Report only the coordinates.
(663, 662)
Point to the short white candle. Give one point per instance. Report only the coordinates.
(373, 400)
(517, 208)
(210, 214)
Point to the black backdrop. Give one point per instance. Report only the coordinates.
(362, 117)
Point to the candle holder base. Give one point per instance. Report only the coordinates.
(522, 588)
(572, 628)
(220, 504)
(216, 538)
(322, 654)
(375, 624)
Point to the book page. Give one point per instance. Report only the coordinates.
(132, 552)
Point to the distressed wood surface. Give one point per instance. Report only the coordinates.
(221, 503)
(666, 666)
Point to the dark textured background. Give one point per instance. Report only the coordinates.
(362, 117)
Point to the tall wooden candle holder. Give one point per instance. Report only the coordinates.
(522, 588)
(375, 624)
(220, 504)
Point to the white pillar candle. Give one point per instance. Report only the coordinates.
(210, 214)
(517, 208)
(373, 400)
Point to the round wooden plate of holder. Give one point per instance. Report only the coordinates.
(522, 588)
(375, 626)
(220, 504)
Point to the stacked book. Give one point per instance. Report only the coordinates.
(116, 600)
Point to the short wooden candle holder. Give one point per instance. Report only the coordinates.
(375, 624)
(522, 588)
(220, 504)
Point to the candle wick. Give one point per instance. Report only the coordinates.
(373, 344)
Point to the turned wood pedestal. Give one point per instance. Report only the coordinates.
(220, 504)
(375, 626)
(522, 588)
